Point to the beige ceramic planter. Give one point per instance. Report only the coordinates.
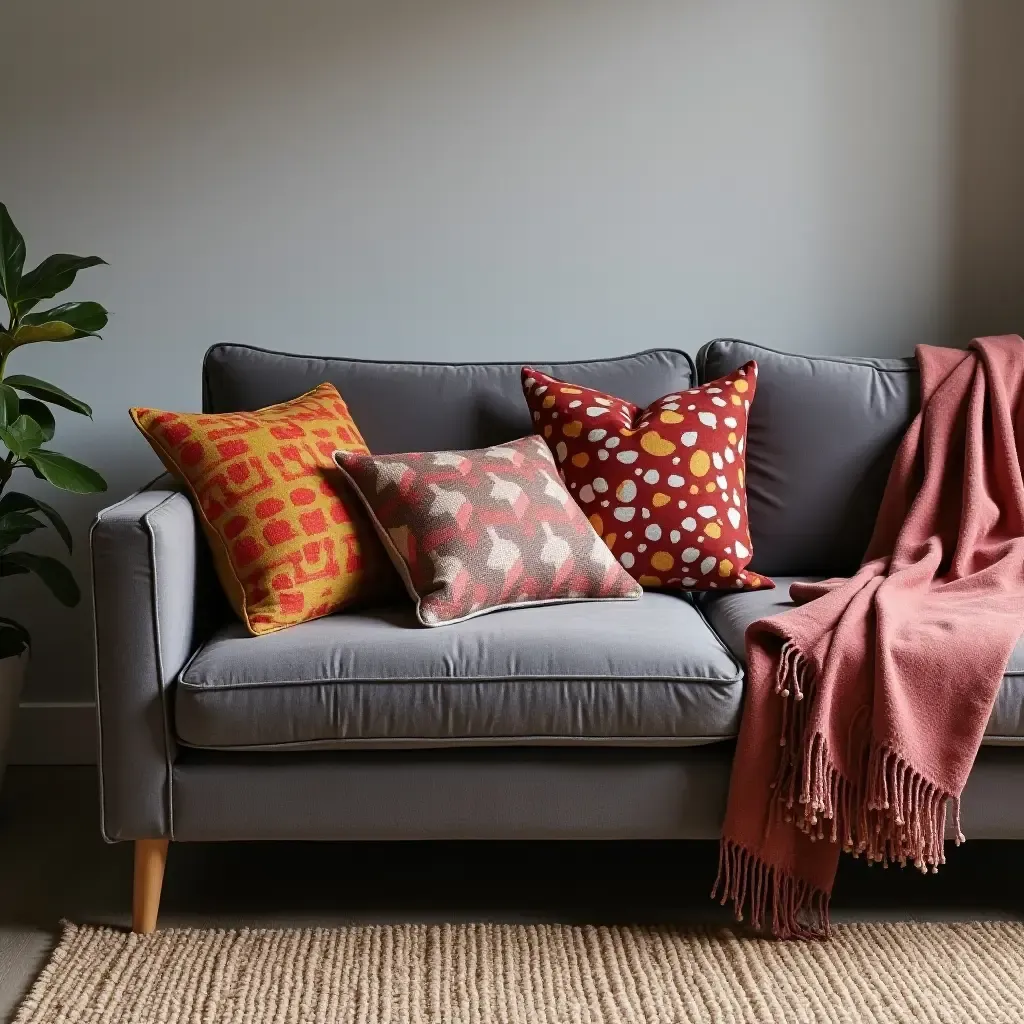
(12, 675)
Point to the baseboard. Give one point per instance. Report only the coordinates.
(54, 732)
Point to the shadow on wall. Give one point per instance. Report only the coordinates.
(988, 243)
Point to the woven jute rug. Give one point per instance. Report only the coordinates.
(532, 974)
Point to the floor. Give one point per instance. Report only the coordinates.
(54, 865)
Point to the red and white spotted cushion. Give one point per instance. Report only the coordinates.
(475, 531)
(664, 486)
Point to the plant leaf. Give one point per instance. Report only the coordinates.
(65, 473)
(55, 330)
(56, 575)
(39, 412)
(62, 323)
(14, 638)
(14, 526)
(8, 405)
(12, 257)
(53, 275)
(15, 501)
(83, 316)
(46, 392)
(22, 436)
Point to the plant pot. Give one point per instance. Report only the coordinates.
(12, 675)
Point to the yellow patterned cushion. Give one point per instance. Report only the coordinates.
(288, 542)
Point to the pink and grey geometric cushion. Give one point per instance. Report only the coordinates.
(476, 531)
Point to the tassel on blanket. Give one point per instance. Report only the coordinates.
(867, 745)
(798, 910)
(888, 813)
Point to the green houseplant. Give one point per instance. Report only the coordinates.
(26, 428)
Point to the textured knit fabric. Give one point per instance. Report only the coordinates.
(532, 974)
(288, 544)
(866, 705)
(730, 614)
(475, 531)
(663, 485)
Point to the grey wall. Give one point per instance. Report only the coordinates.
(452, 179)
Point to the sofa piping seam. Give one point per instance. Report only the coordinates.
(101, 516)
(105, 515)
(865, 362)
(158, 647)
(439, 363)
(660, 741)
(206, 393)
(535, 679)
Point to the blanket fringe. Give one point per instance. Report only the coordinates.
(798, 910)
(888, 812)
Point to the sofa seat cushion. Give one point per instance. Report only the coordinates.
(646, 672)
(730, 614)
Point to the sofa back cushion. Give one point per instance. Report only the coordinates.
(821, 439)
(427, 406)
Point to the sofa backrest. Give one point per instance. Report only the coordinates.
(822, 436)
(427, 406)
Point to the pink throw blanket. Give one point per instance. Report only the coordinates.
(866, 705)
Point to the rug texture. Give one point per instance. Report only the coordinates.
(532, 974)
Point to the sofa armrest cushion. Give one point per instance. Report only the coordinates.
(147, 594)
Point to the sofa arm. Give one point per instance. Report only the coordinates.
(147, 583)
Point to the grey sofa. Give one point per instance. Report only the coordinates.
(609, 720)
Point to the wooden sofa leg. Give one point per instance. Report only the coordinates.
(150, 858)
